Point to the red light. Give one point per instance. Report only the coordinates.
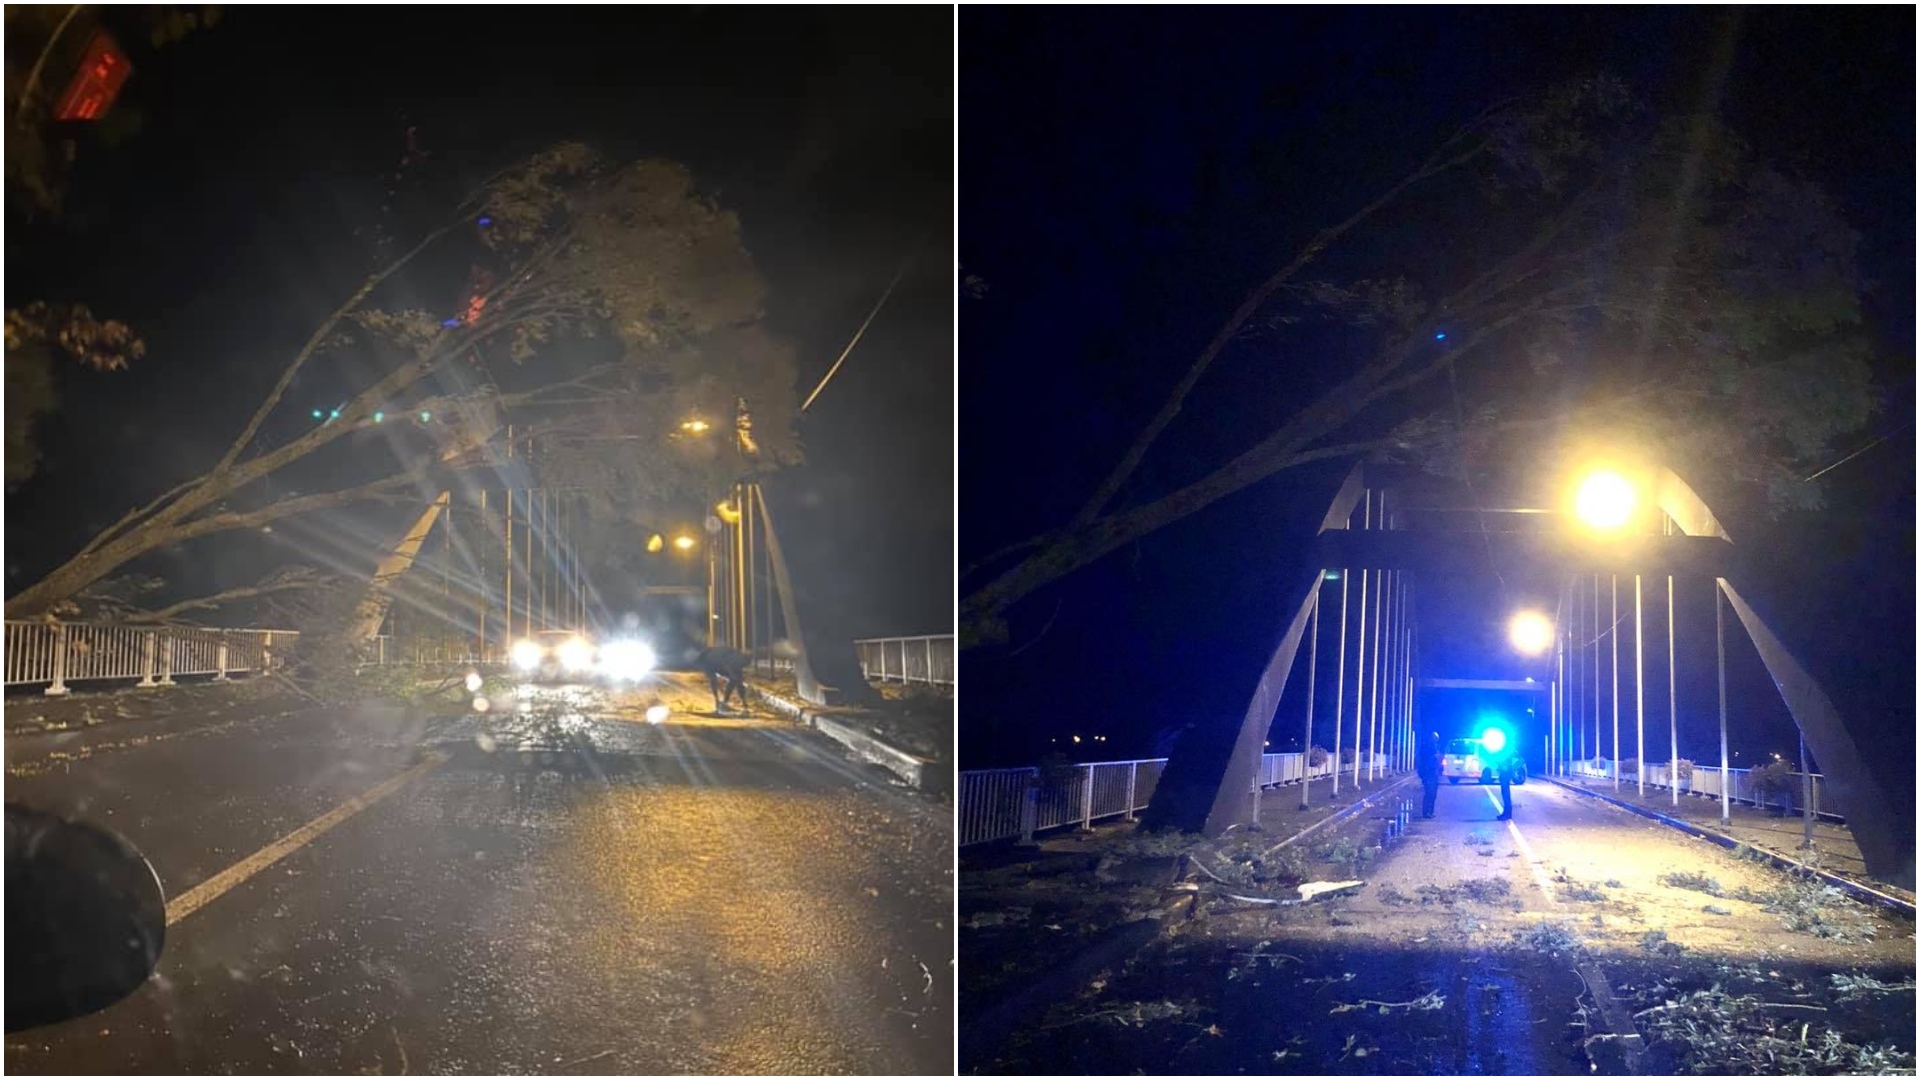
(96, 84)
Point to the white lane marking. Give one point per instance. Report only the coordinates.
(211, 889)
(1526, 852)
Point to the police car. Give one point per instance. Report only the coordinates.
(1473, 759)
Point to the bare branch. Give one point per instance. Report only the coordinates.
(1231, 328)
(227, 596)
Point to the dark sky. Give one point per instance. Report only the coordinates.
(227, 228)
(1126, 177)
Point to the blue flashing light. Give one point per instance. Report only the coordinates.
(450, 322)
(1494, 739)
(379, 416)
(1440, 337)
(484, 222)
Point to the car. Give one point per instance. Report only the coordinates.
(1469, 759)
(1462, 761)
(555, 656)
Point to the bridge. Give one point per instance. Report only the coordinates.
(1644, 911)
(413, 876)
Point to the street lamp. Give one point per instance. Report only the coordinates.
(1605, 500)
(695, 426)
(684, 542)
(1530, 632)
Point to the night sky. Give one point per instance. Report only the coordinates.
(240, 214)
(1126, 177)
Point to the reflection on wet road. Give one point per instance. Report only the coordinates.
(564, 887)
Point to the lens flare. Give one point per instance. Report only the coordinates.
(576, 654)
(657, 714)
(627, 660)
(527, 654)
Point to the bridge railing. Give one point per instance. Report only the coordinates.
(927, 660)
(1001, 804)
(57, 653)
(1705, 782)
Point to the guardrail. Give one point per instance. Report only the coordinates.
(926, 660)
(1000, 804)
(1705, 782)
(58, 653)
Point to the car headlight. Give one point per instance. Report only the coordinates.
(527, 654)
(576, 654)
(629, 660)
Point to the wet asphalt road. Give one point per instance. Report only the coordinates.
(1329, 988)
(567, 889)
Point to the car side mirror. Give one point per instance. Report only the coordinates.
(86, 918)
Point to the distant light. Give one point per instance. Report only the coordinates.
(450, 322)
(1530, 633)
(1439, 337)
(684, 543)
(317, 414)
(1076, 738)
(379, 416)
(473, 682)
(657, 714)
(695, 426)
(656, 542)
(334, 415)
(484, 222)
(1333, 575)
(1529, 678)
(425, 416)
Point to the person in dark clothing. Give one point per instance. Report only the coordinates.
(721, 663)
(1428, 766)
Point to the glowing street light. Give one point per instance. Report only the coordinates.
(1530, 632)
(695, 426)
(655, 543)
(684, 542)
(1605, 500)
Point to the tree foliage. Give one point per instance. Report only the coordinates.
(36, 336)
(1568, 269)
(631, 255)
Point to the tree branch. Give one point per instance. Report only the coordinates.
(1247, 309)
(226, 596)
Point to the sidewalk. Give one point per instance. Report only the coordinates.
(1834, 848)
(35, 714)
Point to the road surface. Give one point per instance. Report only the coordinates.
(551, 886)
(1444, 962)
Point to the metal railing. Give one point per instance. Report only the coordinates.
(1000, 804)
(384, 651)
(1705, 782)
(908, 659)
(767, 661)
(57, 653)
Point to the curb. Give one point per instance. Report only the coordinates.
(912, 768)
(1343, 813)
(1779, 862)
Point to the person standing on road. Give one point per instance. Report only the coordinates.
(1428, 766)
(1506, 785)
